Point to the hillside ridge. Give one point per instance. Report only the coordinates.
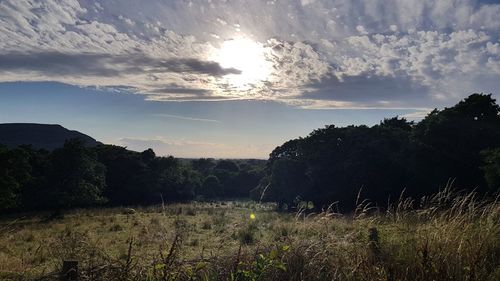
(40, 136)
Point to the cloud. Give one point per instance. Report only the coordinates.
(295, 63)
(417, 115)
(57, 64)
(187, 118)
(367, 92)
(102, 64)
(324, 53)
(425, 55)
(193, 149)
(175, 89)
(188, 65)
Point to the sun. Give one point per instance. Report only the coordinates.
(247, 56)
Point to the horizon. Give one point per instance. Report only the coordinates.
(140, 149)
(235, 79)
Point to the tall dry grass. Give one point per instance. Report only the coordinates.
(446, 236)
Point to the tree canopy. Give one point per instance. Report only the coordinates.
(333, 164)
(77, 175)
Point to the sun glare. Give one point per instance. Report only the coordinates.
(247, 56)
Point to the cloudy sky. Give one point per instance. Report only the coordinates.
(223, 78)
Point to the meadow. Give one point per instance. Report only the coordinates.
(448, 236)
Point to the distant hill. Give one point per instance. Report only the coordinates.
(40, 136)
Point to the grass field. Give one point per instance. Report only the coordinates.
(450, 237)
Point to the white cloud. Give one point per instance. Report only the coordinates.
(442, 48)
(361, 29)
(187, 118)
(425, 56)
(307, 2)
(417, 115)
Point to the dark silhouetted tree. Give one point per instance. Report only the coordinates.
(77, 179)
(211, 187)
(491, 167)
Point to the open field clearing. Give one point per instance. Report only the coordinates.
(452, 238)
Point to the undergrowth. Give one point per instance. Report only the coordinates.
(447, 236)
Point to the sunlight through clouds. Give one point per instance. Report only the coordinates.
(248, 56)
(317, 54)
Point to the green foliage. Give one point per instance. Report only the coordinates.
(247, 235)
(14, 171)
(331, 165)
(227, 165)
(203, 165)
(263, 264)
(228, 178)
(288, 180)
(447, 143)
(77, 178)
(211, 187)
(334, 164)
(491, 167)
(80, 176)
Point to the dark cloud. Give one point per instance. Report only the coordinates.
(56, 63)
(188, 65)
(105, 65)
(180, 90)
(369, 90)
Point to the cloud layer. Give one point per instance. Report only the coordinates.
(357, 54)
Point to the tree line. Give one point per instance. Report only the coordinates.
(459, 145)
(76, 176)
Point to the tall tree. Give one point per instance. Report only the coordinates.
(77, 179)
(15, 172)
(447, 143)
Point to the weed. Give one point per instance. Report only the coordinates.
(116, 227)
(206, 225)
(247, 235)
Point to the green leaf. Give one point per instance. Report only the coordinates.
(159, 266)
(273, 254)
(200, 266)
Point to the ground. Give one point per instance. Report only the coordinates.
(249, 241)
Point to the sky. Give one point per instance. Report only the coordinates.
(234, 79)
